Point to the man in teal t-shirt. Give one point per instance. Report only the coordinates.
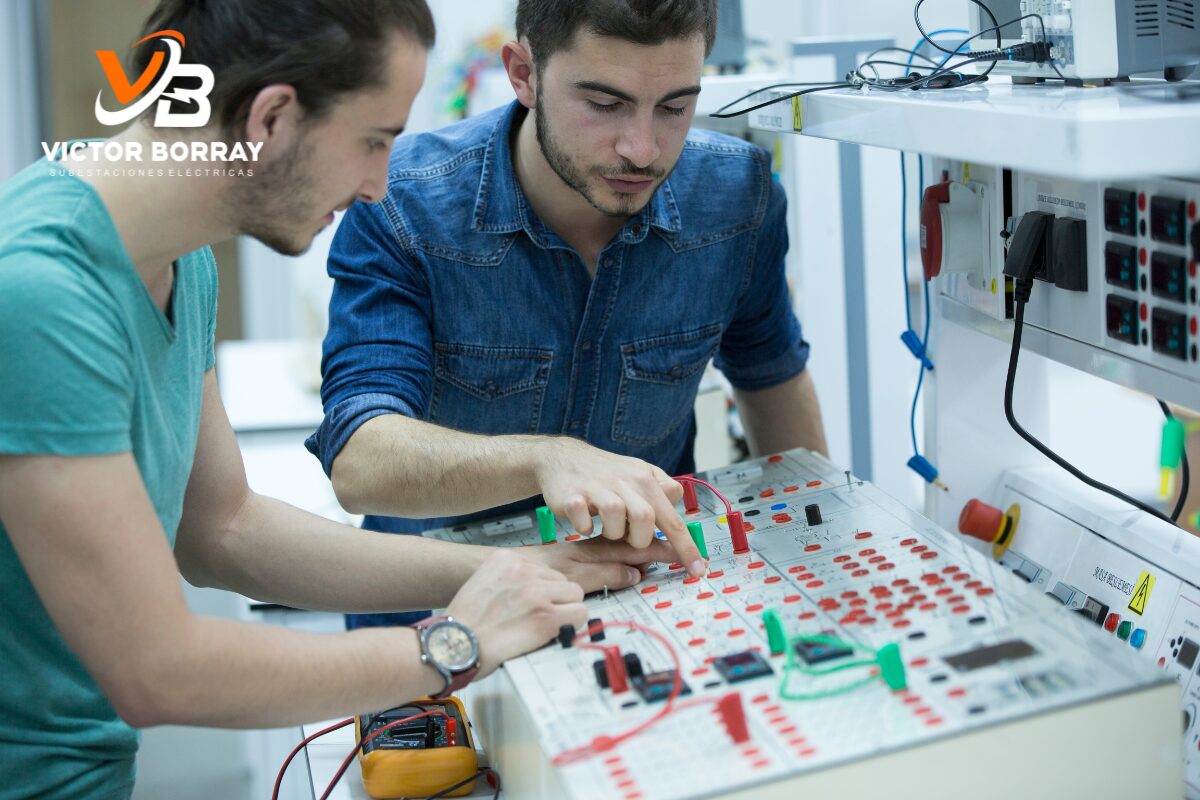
(118, 468)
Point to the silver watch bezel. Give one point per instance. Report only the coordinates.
(449, 670)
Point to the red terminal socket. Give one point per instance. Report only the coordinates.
(451, 732)
(931, 228)
(614, 667)
(733, 717)
(737, 532)
(990, 524)
(691, 503)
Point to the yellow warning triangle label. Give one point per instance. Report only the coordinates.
(1141, 593)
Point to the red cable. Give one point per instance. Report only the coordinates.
(697, 481)
(602, 744)
(362, 743)
(301, 746)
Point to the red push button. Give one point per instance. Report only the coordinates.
(981, 521)
(1110, 624)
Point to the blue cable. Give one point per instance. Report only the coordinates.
(916, 47)
(918, 463)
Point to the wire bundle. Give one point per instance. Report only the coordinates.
(941, 76)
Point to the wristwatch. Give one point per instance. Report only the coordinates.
(452, 649)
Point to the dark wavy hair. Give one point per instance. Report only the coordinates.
(323, 48)
(551, 25)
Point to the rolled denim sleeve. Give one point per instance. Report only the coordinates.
(764, 345)
(377, 357)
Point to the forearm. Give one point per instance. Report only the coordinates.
(783, 417)
(397, 466)
(229, 674)
(276, 553)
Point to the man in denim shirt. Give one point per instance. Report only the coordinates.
(531, 307)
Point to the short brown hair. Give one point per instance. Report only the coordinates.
(323, 48)
(551, 25)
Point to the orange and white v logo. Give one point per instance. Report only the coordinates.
(127, 93)
(124, 91)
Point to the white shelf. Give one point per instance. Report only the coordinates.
(1084, 133)
(717, 90)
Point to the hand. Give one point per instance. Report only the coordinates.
(631, 496)
(515, 604)
(597, 563)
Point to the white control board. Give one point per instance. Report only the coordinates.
(1004, 689)
(1139, 584)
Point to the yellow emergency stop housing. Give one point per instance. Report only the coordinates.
(416, 761)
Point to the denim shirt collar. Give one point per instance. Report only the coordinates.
(501, 207)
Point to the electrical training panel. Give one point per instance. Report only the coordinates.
(1120, 272)
(998, 673)
(1141, 586)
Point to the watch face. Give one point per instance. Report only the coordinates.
(451, 646)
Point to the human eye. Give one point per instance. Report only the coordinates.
(603, 108)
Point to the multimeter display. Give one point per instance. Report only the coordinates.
(425, 733)
(419, 757)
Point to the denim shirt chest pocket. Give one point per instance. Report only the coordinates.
(488, 389)
(659, 379)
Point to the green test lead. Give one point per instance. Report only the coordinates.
(697, 532)
(1173, 435)
(546, 525)
(891, 667)
(777, 639)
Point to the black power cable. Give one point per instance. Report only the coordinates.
(721, 112)
(1185, 484)
(1025, 254)
(1026, 52)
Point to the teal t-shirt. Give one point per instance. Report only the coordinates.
(88, 366)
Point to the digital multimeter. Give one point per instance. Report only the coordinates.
(417, 758)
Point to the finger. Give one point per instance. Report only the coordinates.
(615, 575)
(612, 513)
(658, 551)
(677, 534)
(562, 592)
(641, 520)
(672, 488)
(575, 509)
(571, 614)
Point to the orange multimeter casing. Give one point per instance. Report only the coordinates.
(403, 766)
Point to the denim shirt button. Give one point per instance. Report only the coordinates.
(490, 388)
(587, 345)
(637, 229)
(677, 371)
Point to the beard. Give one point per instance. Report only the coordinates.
(576, 176)
(273, 205)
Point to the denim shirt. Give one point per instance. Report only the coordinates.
(453, 303)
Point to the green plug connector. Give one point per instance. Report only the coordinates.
(891, 667)
(697, 532)
(546, 525)
(777, 639)
(1173, 435)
